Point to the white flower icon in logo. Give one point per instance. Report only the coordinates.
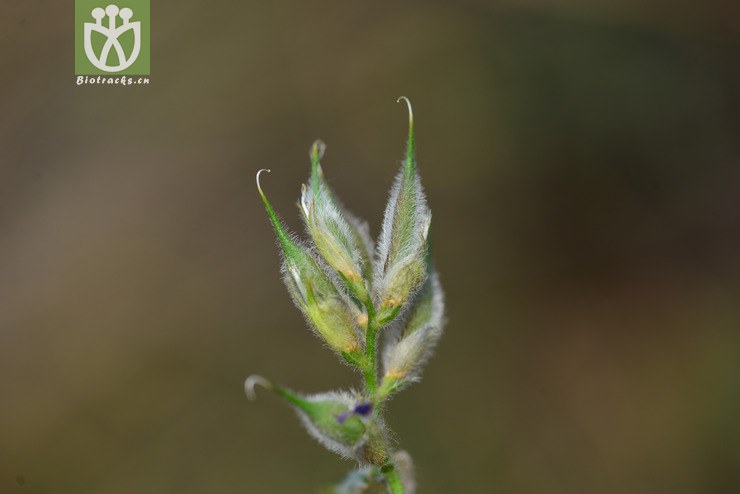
(112, 33)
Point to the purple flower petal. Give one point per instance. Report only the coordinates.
(364, 409)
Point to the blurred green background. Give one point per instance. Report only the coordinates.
(582, 160)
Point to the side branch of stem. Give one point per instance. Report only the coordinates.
(394, 480)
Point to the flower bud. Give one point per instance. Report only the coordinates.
(402, 281)
(399, 269)
(313, 291)
(342, 422)
(409, 349)
(328, 418)
(341, 239)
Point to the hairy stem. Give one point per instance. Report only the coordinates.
(371, 371)
(394, 480)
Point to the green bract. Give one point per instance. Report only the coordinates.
(313, 291)
(343, 242)
(400, 265)
(349, 294)
(408, 350)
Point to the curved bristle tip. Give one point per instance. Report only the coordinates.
(251, 382)
(318, 148)
(259, 187)
(408, 104)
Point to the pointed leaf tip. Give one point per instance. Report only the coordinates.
(316, 153)
(318, 148)
(284, 393)
(254, 380)
(283, 237)
(411, 111)
(257, 178)
(408, 164)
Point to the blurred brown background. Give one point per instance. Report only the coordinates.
(581, 159)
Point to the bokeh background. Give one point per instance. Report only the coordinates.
(582, 160)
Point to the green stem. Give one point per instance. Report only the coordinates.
(394, 480)
(370, 371)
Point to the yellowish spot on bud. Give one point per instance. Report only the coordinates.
(395, 375)
(352, 348)
(361, 320)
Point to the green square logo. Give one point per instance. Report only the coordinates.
(112, 38)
